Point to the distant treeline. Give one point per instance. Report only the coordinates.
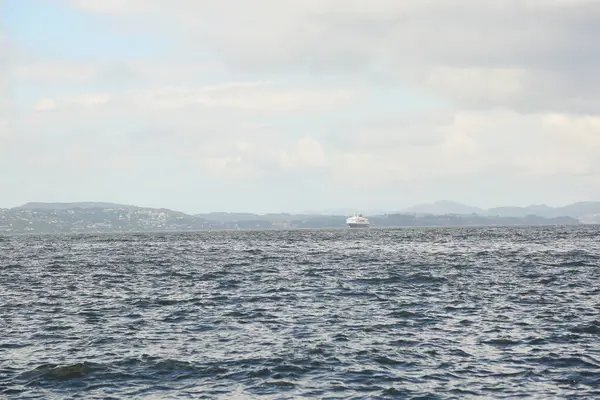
(136, 219)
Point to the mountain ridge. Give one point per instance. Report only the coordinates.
(574, 210)
(89, 218)
(583, 209)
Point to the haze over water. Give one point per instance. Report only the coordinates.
(415, 313)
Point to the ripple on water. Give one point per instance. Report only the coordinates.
(415, 313)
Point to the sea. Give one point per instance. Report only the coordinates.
(453, 313)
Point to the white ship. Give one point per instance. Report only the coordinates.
(357, 221)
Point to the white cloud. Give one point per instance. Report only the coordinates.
(363, 171)
(53, 72)
(480, 143)
(5, 93)
(477, 87)
(536, 145)
(494, 52)
(558, 149)
(379, 154)
(127, 72)
(269, 91)
(245, 96)
(472, 144)
(232, 168)
(305, 153)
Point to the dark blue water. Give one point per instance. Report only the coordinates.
(427, 314)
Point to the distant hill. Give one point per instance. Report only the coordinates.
(576, 210)
(86, 217)
(136, 219)
(443, 207)
(541, 210)
(580, 209)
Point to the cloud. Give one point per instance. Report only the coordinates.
(411, 98)
(531, 146)
(244, 96)
(226, 130)
(125, 72)
(477, 144)
(305, 153)
(364, 171)
(53, 71)
(471, 144)
(6, 106)
(530, 55)
(478, 87)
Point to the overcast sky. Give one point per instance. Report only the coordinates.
(292, 105)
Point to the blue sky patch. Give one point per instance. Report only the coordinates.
(55, 30)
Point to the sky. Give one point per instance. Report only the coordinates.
(289, 105)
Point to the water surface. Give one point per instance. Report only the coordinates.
(416, 313)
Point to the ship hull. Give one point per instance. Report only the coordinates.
(354, 225)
